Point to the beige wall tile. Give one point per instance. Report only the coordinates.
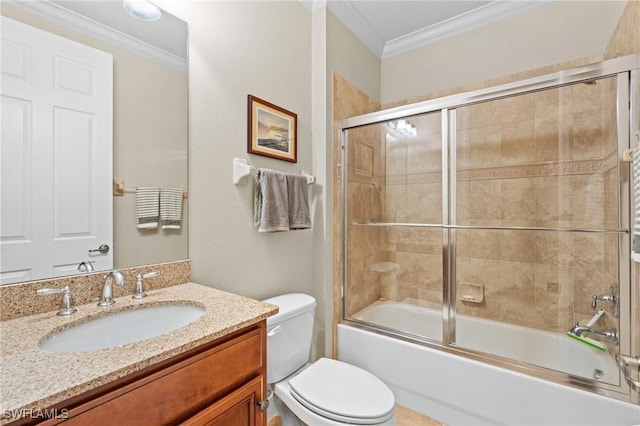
(588, 135)
(518, 142)
(485, 146)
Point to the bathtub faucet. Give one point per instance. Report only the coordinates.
(611, 335)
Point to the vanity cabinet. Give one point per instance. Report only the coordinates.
(220, 383)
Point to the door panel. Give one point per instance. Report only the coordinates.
(57, 124)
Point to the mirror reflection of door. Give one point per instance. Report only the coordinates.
(57, 136)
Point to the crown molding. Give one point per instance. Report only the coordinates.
(313, 5)
(346, 12)
(491, 12)
(77, 22)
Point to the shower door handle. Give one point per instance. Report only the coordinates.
(625, 363)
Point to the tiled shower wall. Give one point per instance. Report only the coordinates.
(366, 195)
(540, 160)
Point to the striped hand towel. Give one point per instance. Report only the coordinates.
(147, 208)
(171, 208)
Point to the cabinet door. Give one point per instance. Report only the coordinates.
(239, 408)
(178, 391)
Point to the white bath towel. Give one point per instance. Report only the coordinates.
(170, 208)
(298, 192)
(271, 205)
(147, 207)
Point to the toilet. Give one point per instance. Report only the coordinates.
(326, 392)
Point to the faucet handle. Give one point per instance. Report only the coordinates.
(611, 298)
(140, 294)
(50, 291)
(151, 274)
(66, 303)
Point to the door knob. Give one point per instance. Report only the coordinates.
(103, 249)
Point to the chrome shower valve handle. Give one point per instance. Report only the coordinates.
(611, 299)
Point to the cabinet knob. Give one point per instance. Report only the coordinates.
(263, 405)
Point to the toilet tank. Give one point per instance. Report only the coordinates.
(289, 334)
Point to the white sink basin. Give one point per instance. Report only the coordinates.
(121, 328)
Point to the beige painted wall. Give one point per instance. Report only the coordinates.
(229, 43)
(237, 49)
(349, 57)
(556, 32)
(149, 142)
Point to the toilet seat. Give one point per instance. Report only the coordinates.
(343, 392)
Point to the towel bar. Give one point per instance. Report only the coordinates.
(242, 168)
(120, 189)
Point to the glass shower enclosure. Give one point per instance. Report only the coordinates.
(490, 223)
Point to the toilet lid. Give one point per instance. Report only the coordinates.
(343, 392)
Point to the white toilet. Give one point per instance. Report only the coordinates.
(326, 392)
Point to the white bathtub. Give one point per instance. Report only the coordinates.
(546, 349)
(461, 391)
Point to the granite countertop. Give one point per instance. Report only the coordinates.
(32, 378)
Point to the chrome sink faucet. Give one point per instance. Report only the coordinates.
(107, 289)
(86, 266)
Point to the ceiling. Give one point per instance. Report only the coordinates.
(386, 27)
(168, 33)
(391, 27)
(165, 39)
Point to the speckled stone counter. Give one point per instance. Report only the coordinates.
(32, 378)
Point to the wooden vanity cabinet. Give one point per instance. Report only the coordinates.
(220, 383)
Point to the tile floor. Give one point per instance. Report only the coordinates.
(404, 416)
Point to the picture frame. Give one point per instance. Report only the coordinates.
(272, 130)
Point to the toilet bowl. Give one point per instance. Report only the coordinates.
(326, 392)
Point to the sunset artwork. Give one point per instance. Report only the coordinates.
(272, 131)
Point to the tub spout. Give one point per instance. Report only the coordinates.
(611, 335)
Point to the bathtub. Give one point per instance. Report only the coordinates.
(551, 350)
(461, 391)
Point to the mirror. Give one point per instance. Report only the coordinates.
(150, 92)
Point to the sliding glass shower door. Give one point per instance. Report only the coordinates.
(495, 224)
(538, 206)
(394, 223)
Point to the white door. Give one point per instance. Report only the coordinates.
(56, 154)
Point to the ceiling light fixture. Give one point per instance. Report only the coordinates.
(142, 9)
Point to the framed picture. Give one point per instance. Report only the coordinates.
(273, 131)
